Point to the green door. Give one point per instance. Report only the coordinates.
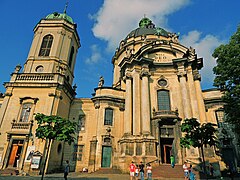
(106, 156)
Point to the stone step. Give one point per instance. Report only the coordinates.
(166, 171)
(9, 171)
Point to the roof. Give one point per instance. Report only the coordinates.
(57, 15)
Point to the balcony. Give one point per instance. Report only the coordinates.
(35, 77)
(21, 126)
(165, 114)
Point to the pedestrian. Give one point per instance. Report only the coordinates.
(185, 170)
(211, 169)
(66, 170)
(172, 160)
(191, 174)
(137, 171)
(149, 171)
(132, 169)
(141, 169)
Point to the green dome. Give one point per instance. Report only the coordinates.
(57, 15)
(146, 27)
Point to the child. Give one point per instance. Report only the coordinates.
(137, 171)
(149, 171)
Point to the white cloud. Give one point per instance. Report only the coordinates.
(204, 48)
(96, 55)
(117, 18)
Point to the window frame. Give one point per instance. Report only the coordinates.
(108, 122)
(78, 152)
(164, 105)
(46, 45)
(219, 117)
(25, 112)
(70, 61)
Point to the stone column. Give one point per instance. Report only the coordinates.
(136, 103)
(184, 91)
(128, 104)
(201, 105)
(193, 96)
(145, 104)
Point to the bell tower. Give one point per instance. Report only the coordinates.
(54, 46)
(43, 86)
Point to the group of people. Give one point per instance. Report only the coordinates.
(137, 170)
(188, 172)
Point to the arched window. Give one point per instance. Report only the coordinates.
(26, 109)
(46, 45)
(108, 118)
(71, 57)
(163, 100)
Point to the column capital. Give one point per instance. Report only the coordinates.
(128, 75)
(196, 75)
(181, 74)
(145, 73)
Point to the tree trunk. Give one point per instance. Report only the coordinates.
(204, 164)
(46, 158)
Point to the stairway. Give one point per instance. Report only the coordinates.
(165, 171)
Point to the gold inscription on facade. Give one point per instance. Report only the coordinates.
(161, 58)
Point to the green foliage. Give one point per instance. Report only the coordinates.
(197, 135)
(55, 128)
(228, 77)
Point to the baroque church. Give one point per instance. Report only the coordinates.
(156, 86)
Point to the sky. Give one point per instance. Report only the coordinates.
(102, 24)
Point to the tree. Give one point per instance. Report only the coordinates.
(53, 128)
(227, 78)
(198, 136)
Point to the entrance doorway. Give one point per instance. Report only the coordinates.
(166, 149)
(15, 153)
(106, 156)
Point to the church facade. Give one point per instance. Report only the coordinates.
(156, 85)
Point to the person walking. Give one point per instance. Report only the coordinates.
(141, 169)
(191, 174)
(185, 170)
(137, 171)
(132, 169)
(149, 171)
(66, 170)
(172, 160)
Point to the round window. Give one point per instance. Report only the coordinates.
(162, 82)
(39, 69)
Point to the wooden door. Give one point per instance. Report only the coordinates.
(13, 155)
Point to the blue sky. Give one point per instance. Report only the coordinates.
(202, 24)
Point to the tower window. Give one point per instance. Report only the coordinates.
(26, 109)
(71, 57)
(163, 100)
(108, 118)
(46, 45)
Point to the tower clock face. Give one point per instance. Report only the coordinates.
(162, 82)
